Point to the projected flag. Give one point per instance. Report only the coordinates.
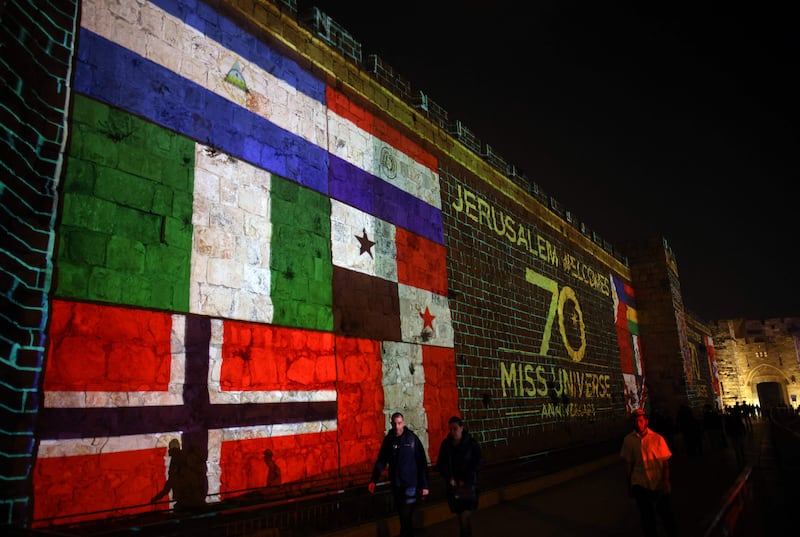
(245, 258)
(629, 345)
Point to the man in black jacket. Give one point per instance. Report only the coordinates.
(459, 461)
(405, 456)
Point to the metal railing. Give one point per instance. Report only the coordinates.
(736, 505)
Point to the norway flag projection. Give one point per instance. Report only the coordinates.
(122, 383)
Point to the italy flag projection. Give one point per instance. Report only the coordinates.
(249, 263)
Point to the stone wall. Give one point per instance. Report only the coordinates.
(35, 80)
(260, 253)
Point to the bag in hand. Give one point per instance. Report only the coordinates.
(464, 492)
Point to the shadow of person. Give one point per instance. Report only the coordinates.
(273, 470)
(186, 478)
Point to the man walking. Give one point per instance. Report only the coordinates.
(647, 455)
(405, 456)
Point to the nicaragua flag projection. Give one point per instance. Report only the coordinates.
(235, 272)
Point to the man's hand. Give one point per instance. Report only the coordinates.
(425, 492)
(371, 487)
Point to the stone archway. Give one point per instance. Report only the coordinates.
(771, 395)
(767, 386)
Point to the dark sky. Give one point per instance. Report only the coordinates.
(640, 118)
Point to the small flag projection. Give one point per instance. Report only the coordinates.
(629, 346)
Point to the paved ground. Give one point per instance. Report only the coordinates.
(591, 500)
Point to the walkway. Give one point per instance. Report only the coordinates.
(591, 499)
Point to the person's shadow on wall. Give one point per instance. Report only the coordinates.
(186, 479)
(273, 470)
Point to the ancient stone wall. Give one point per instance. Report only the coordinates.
(260, 253)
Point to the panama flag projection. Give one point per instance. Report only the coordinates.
(629, 345)
(390, 260)
(247, 261)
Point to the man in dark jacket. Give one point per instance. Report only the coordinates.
(405, 456)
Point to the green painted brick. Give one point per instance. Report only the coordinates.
(81, 175)
(85, 246)
(180, 297)
(177, 233)
(132, 182)
(312, 315)
(125, 254)
(163, 198)
(137, 224)
(168, 263)
(301, 258)
(94, 147)
(89, 213)
(124, 189)
(139, 290)
(105, 285)
(72, 280)
(177, 171)
(86, 111)
(78, 209)
(140, 161)
(182, 207)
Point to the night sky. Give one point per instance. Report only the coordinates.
(643, 120)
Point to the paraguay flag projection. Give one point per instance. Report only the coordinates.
(248, 263)
(630, 350)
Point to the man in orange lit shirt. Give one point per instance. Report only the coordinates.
(646, 455)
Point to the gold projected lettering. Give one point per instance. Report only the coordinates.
(526, 379)
(491, 217)
(567, 390)
(568, 410)
(583, 272)
(558, 299)
(486, 215)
